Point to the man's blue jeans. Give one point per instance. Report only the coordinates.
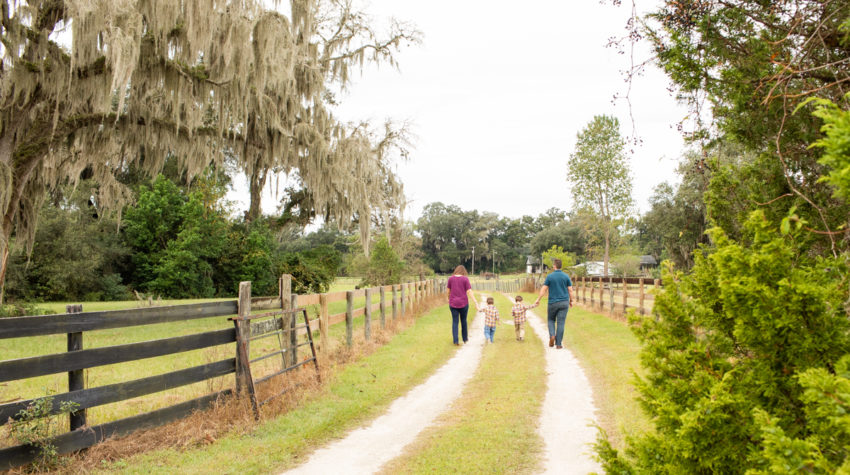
(489, 333)
(557, 313)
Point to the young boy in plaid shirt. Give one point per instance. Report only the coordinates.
(518, 312)
(491, 318)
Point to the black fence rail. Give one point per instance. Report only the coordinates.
(77, 359)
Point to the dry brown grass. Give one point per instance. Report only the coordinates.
(529, 287)
(234, 415)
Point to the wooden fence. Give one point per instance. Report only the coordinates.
(403, 299)
(616, 294)
(498, 285)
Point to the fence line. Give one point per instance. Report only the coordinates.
(612, 294)
(407, 298)
(604, 294)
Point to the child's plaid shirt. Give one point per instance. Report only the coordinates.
(491, 315)
(518, 312)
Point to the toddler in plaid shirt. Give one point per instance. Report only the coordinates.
(491, 317)
(518, 312)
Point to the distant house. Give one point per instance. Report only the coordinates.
(532, 265)
(647, 263)
(593, 268)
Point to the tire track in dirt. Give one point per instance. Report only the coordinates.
(367, 449)
(568, 410)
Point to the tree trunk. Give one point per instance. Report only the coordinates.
(607, 244)
(256, 183)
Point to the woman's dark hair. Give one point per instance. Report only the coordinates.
(460, 270)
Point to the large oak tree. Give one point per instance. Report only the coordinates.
(96, 86)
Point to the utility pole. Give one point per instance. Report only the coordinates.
(493, 256)
(473, 260)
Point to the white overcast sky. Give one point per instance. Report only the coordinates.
(496, 93)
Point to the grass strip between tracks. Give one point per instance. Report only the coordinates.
(492, 427)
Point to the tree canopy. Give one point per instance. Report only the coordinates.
(599, 176)
(746, 355)
(198, 81)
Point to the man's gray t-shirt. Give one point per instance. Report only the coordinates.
(558, 282)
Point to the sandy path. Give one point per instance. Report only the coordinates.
(366, 449)
(568, 410)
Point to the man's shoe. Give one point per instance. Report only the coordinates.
(551, 341)
(559, 347)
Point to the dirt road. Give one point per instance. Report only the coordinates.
(568, 410)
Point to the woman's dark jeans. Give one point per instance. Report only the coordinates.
(459, 314)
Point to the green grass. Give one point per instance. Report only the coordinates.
(492, 427)
(356, 393)
(609, 354)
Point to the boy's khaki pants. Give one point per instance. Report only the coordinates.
(520, 329)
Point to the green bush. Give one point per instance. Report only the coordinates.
(385, 267)
(735, 355)
(22, 309)
(35, 426)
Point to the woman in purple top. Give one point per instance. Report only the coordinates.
(460, 292)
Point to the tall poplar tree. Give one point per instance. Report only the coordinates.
(600, 178)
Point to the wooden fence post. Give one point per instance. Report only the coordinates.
(600, 292)
(323, 322)
(284, 286)
(641, 309)
(403, 309)
(584, 290)
(383, 307)
(243, 350)
(349, 318)
(395, 303)
(611, 296)
(76, 378)
(625, 296)
(243, 328)
(367, 316)
(293, 333)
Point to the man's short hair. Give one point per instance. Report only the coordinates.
(556, 263)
